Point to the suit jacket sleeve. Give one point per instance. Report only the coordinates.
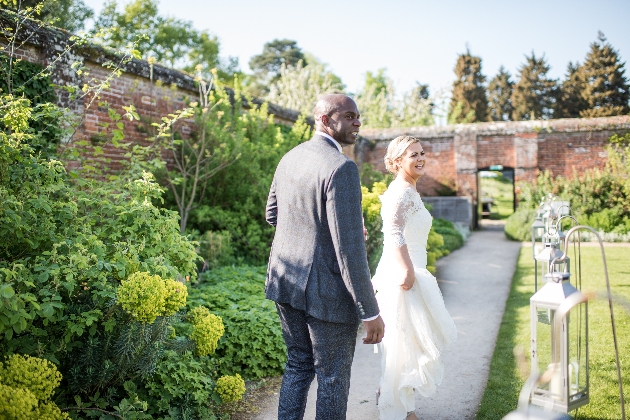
(271, 213)
(345, 221)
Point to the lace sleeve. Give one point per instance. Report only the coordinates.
(402, 208)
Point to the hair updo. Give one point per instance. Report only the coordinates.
(396, 149)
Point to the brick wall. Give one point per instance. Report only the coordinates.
(456, 153)
(155, 90)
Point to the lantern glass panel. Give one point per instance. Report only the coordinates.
(578, 353)
(544, 356)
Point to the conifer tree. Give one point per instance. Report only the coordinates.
(570, 101)
(468, 89)
(535, 94)
(500, 96)
(606, 89)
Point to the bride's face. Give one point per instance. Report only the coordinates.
(411, 163)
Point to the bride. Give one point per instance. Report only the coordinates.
(408, 296)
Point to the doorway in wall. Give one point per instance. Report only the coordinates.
(496, 199)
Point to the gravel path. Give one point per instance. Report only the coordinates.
(475, 281)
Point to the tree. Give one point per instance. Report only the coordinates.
(299, 87)
(570, 97)
(70, 15)
(534, 95)
(274, 55)
(468, 87)
(500, 96)
(381, 108)
(173, 42)
(606, 89)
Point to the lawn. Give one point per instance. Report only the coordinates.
(505, 379)
(501, 190)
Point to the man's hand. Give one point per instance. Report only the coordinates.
(375, 331)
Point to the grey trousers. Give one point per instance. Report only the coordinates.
(315, 347)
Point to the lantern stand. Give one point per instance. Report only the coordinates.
(538, 232)
(577, 293)
(525, 410)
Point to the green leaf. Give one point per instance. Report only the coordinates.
(6, 291)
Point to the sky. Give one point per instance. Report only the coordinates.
(415, 40)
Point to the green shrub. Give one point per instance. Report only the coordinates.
(207, 330)
(230, 388)
(234, 203)
(252, 344)
(371, 205)
(518, 225)
(452, 238)
(181, 387)
(599, 198)
(26, 386)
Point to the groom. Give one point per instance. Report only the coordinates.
(318, 273)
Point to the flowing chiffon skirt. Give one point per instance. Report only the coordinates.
(417, 327)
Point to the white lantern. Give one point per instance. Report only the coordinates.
(562, 352)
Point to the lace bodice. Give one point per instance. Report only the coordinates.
(405, 218)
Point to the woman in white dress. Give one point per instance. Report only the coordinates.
(418, 325)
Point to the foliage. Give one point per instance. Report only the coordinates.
(371, 205)
(198, 157)
(534, 94)
(570, 101)
(252, 345)
(599, 198)
(299, 87)
(207, 330)
(452, 238)
(145, 297)
(518, 225)
(380, 106)
(183, 386)
(500, 96)
(235, 201)
(267, 65)
(29, 81)
(171, 41)
(230, 388)
(455, 115)
(26, 386)
(216, 249)
(606, 90)
(469, 89)
(70, 15)
(506, 379)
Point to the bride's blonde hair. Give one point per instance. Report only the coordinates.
(396, 149)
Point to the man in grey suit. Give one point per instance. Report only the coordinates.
(318, 273)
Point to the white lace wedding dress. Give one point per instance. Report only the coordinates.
(417, 324)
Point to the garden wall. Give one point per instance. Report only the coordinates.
(154, 90)
(455, 153)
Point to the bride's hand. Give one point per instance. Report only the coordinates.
(410, 278)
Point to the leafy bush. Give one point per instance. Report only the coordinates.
(207, 330)
(252, 344)
(230, 388)
(234, 202)
(182, 386)
(452, 238)
(518, 225)
(26, 387)
(599, 198)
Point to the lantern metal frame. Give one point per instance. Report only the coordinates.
(559, 372)
(571, 304)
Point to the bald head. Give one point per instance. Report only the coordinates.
(337, 115)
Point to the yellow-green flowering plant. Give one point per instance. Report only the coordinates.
(230, 388)
(26, 386)
(147, 296)
(207, 329)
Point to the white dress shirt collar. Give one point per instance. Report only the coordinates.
(319, 133)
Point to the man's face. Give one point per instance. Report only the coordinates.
(343, 123)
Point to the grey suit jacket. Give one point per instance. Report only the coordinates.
(318, 261)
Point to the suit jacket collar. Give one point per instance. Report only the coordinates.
(331, 142)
